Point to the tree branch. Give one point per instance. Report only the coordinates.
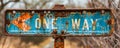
(3, 5)
(93, 4)
(44, 3)
(119, 4)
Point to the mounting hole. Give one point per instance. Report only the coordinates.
(44, 11)
(48, 11)
(102, 11)
(84, 12)
(14, 12)
(33, 12)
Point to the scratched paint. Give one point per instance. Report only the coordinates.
(74, 23)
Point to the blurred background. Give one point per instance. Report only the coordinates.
(112, 41)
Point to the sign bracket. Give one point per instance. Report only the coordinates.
(59, 39)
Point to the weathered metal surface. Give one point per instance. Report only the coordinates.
(75, 22)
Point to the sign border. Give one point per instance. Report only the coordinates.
(40, 10)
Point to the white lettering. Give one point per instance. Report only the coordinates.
(37, 23)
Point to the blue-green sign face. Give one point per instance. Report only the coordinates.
(73, 22)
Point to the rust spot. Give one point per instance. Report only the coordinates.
(20, 21)
(111, 21)
(67, 23)
(8, 22)
(59, 7)
(54, 31)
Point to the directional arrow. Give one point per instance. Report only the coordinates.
(20, 22)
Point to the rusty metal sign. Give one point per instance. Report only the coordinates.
(75, 22)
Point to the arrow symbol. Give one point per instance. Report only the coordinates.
(20, 22)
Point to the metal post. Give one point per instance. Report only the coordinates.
(59, 39)
(59, 42)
